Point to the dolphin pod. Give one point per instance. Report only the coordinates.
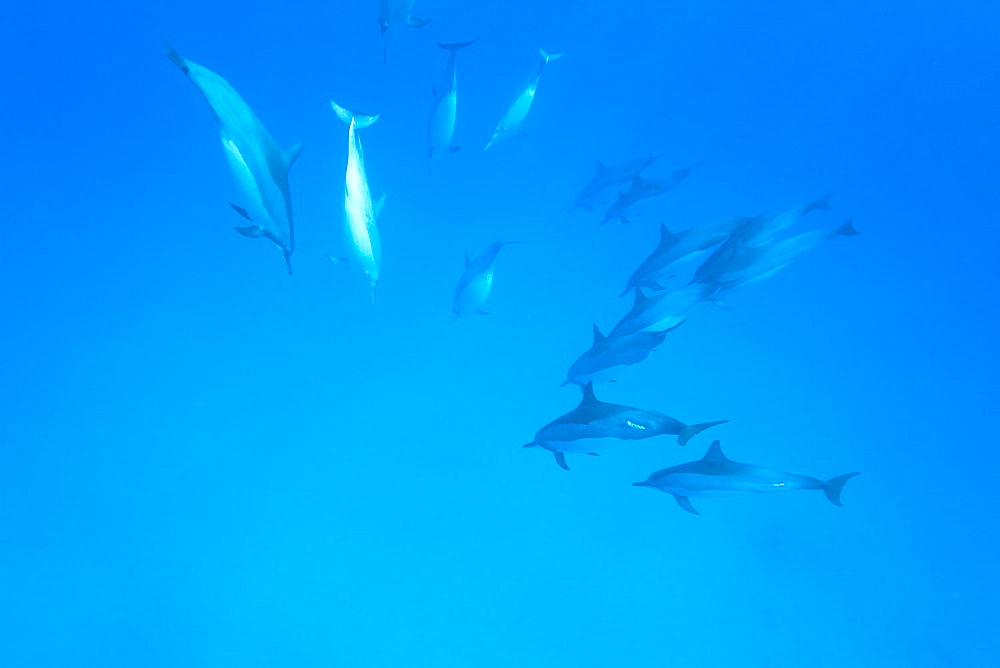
(733, 251)
(258, 163)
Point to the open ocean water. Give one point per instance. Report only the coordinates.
(205, 461)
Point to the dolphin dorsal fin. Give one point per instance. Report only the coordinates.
(598, 337)
(290, 153)
(714, 454)
(667, 238)
(588, 395)
(468, 262)
(640, 297)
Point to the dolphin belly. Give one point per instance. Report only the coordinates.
(442, 125)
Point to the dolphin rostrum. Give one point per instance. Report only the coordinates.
(608, 353)
(258, 163)
(663, 311)
(642, 189)
(581, 430)
(674, 248)
(510, 124)
(476, 282)
(716, 475)
(441, 126)
(605, 177)
(394, 15)
(359, 211)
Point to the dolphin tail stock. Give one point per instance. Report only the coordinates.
(687, 433)
(834, 486)
(360, 119)
(454, 46)
(847, 229)
(549, 56)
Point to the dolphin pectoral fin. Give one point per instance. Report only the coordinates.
(253, 231)
(290, 153)
(594, 454)
(341, 262)
(688, 432)
(561, 460)
(529, 445)
(415, 22)
(481, 312)
(287, 254)
(685, 503)
(833, 487)
(453, 149)
(240, 210)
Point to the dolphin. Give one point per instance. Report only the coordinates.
(607, 353)
(755, 263)
(441, 126)
(664, 311)
(394, 15)
(359, 211)
(716, 475)
(674, 248)
(510, 124)
(581, 430)
(606, 177)
(259, 164)
(476, 282)
(766, 228)
(642, 189)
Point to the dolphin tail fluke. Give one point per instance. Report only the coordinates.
(360, 120)
(549, 56)
(452, 46)
(688, 432)
(415, 22)
(847, 229)
(176, 58)
(833, 487)
(561, 460)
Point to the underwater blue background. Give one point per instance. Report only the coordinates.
(208, 462)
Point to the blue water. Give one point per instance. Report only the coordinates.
(207, 462)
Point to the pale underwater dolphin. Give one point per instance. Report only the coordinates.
(259, 164)
(608, 353)
(663, 311)
(716, 475)
(476, 281)
(606, 177)
(359, 212)
(673, 248)
(441, 126)
(756, 263)
(765, 228)
(583, 428)
(510, 124)
(394, 15)
(642, 189)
